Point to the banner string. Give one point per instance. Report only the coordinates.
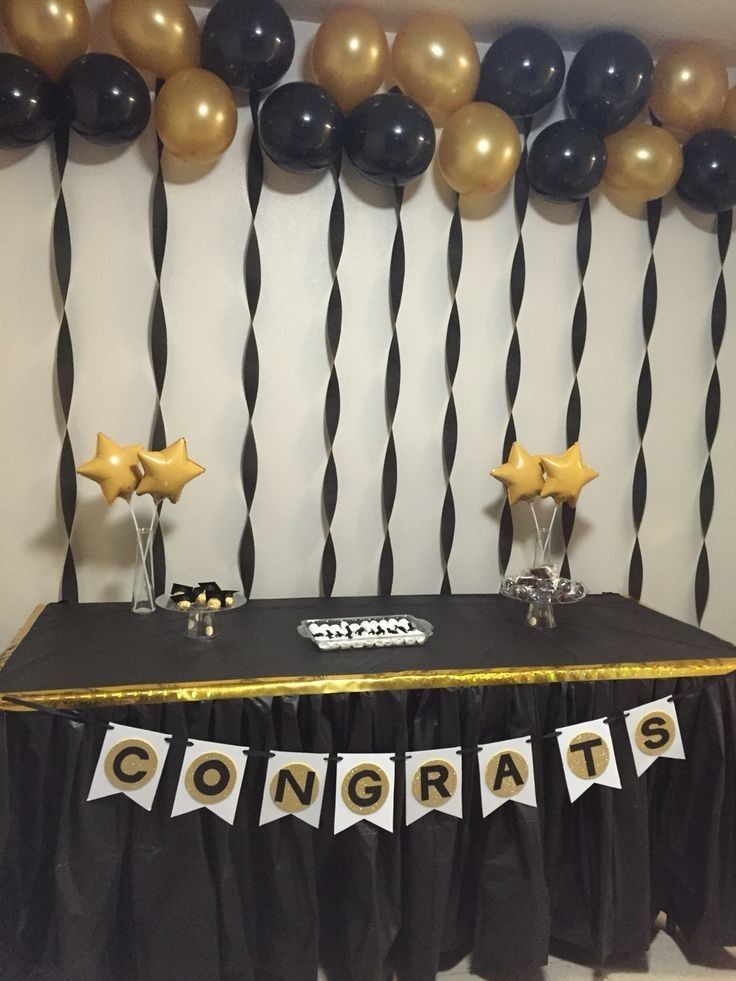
(85, 719)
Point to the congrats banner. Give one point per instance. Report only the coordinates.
(434, 780)
(365, 790)
(211, 776)
(654, 731)
(131, 762)
(295, 784)
(506, 771)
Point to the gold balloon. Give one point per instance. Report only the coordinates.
(158, 36)
(166, 472)
(115, 468)
(196, 116)
(690, 87)
(521, 475)
(435, 62)
(50, 33)
(727, 119)
(479, 149)
(642, 162)
(566, 476)
(350, 56)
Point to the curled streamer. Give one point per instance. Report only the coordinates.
(65, 366)
(159, 341)
(393, 383)
(579, 333)
(252, 271)
(712, 414)
(513, 357)
(336, 233)
(449, 429)
(644, 401)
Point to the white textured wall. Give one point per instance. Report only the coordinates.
(109, 306)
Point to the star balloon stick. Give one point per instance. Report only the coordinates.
(143, 550)
(551, 526)
(536, 519)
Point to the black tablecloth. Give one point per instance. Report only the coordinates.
(106, 890)
(103, 645)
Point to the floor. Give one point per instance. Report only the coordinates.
(668, 960)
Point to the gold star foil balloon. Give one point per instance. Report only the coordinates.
(566, 476)
(521, 475)
(115, 468)
(165, 472)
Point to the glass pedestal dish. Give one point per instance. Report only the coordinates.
(201, 619)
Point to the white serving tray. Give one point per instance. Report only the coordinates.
(377, 630)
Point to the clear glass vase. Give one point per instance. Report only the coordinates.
(143, 592)
(541, 612)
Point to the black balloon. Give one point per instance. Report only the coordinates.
(301, 128)
(609, 81)
(105, 99)
(390, 139)
(566, 161)
(522, 71)
(248, 43)
(708, 180)
(28, 103)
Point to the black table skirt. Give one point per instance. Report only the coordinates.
(107, 890)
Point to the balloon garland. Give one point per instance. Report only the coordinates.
(390, 138)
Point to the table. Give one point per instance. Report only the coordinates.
(107, 890)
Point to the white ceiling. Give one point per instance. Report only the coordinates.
(655, 21)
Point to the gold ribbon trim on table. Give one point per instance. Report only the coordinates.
(389, 681)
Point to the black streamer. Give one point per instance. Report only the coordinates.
(579, 332)
(393, 383)
(65, 365)
(159, 341)
(252, 271)
(644, 400)
(449, 429)
(336, 233)
(513, 357)
(712, 414)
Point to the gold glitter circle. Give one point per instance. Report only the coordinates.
(378, 777)
(577, 761)
(132, 764)
(666, 722)
(210, 779)
(435, 798)
(509, 787)
(291, 802)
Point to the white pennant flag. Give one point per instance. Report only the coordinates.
(131, 762)
(211, 776)
(506, 771)
(434, 782)
(364, 790)
(587, 757)
(654, 731)
(295, 784)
